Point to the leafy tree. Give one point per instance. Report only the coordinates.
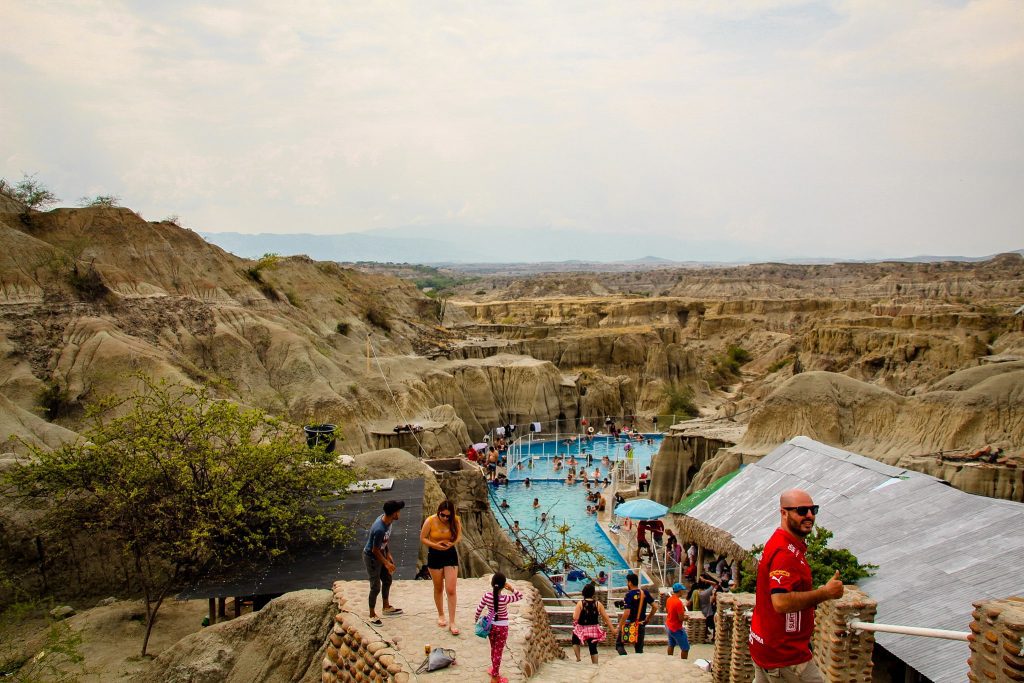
(29, 191)
(552, 546)
(823, 561)
(183, 484)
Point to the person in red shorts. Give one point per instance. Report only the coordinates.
(783, 621)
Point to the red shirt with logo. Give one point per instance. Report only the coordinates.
(781, 639)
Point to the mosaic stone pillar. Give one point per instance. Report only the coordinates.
(696, 628)
(844, 655)
(997, 641)
(722, 657)
(741, 667)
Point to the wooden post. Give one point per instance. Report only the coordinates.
(238, 606)
(213, 611)
(220, 607)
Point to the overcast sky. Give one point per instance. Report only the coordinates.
(847, 129)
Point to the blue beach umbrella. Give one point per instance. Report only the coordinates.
(641, 508)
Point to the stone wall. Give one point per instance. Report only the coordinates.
(997, 641)
(355, 653)
(843, 656)
(531, 635)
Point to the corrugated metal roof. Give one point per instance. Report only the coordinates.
(938, 549)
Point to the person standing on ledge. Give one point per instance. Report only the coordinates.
(783, 620)
(380, 565)
(440, 533)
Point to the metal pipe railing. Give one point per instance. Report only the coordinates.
(907, 630)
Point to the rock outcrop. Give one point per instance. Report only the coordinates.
(981, 406)
(283, 642)
(684, 455)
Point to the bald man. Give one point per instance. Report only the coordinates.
(783, 621)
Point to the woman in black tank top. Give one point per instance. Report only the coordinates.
(586, 619)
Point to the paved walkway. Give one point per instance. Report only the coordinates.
(653, 666)
(418, 627)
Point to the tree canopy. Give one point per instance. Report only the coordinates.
(184, 484)
(29, 191)
(823, 561)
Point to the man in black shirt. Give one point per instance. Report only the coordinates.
(634, 614)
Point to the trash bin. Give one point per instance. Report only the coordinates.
(318, 435)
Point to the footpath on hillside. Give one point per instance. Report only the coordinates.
(417, 627)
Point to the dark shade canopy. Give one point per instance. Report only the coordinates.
(318, 566)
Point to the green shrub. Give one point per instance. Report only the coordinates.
(679, 401)
(293, 298)
(265, 262)
(738, 355)
(107, 201)
(779, 364)
(726, 367)
(378, 319)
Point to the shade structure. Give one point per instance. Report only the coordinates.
(641, 508)
(480, 447)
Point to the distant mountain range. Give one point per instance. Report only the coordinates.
(467, 247)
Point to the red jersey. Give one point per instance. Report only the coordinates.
(781, 639)
(675, 613)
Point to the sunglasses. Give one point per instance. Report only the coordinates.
(802, 510)
(444, 515)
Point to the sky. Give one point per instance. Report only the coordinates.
(854, 129)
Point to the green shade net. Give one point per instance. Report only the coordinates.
(698, 497)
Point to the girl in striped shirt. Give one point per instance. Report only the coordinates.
(497, 602)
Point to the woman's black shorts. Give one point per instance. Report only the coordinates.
(439, 559)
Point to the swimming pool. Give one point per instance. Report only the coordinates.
(535, 461)
(564, 503)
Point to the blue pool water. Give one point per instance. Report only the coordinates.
(538, 458)
(564, 503)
